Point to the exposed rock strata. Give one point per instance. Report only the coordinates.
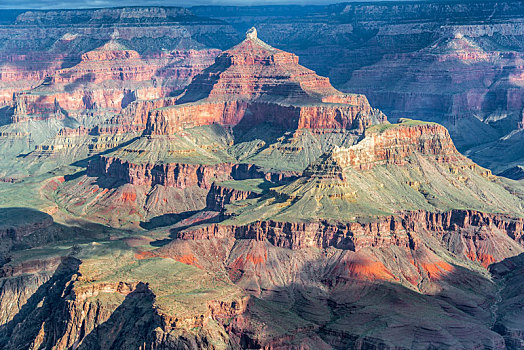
(253, 83)
(393, 230)
(392, 144)
(323, 116)
(219, 196)
(175, 175)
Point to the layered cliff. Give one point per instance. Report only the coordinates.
(169, 120)
(109, 78)
(83, 49)
(475, 228)
(328, 236)
(289, 294)
(249, 125)
(223, 193)
(253, 83)
(73, 314)
(393, 168)
(87, 72)
(395, 143)
(309, 270)
(171, 175)
(457, 68)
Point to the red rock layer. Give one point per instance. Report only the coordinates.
(121, 76)
(167, 121)
(104, 64)
(22, 72)
(455, 82)
(391, 230)
(396, 144)
(177, 175)
(29, 67)
(253, 83)
(253, 70)
(137, 113)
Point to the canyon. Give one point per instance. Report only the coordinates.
(268, 177)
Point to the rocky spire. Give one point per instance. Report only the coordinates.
(251, 33)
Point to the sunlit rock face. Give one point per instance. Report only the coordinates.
(249, 86)
(78, 69)
(459, 68)
(80, 51)
(253, 83)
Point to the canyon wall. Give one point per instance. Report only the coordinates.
(83, 64)
(354, 236)
(169, 120)
(396, 143)
(177, 175)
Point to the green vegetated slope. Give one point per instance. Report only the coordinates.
(422, 183)
(265, 145)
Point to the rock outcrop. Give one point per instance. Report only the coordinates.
(431, 61)
(188, 141)
(394, 144)
(170, 175)
(440, 71)
(219, 196)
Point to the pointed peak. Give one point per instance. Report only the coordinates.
(252, 45)
(251, 33)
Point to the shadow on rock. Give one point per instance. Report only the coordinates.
(322, 307)
(166, 219)
(179, 222)
(509, 312)
(129, 326)
(40, 322)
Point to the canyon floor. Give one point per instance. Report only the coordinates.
(170, 180)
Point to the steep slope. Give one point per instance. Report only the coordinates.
(409, 59)
(399, 228)
(262, 207)
(253, 83)
(395, 167)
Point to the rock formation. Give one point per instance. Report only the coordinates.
(253, 83)
(430, 61)
(191, 143)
